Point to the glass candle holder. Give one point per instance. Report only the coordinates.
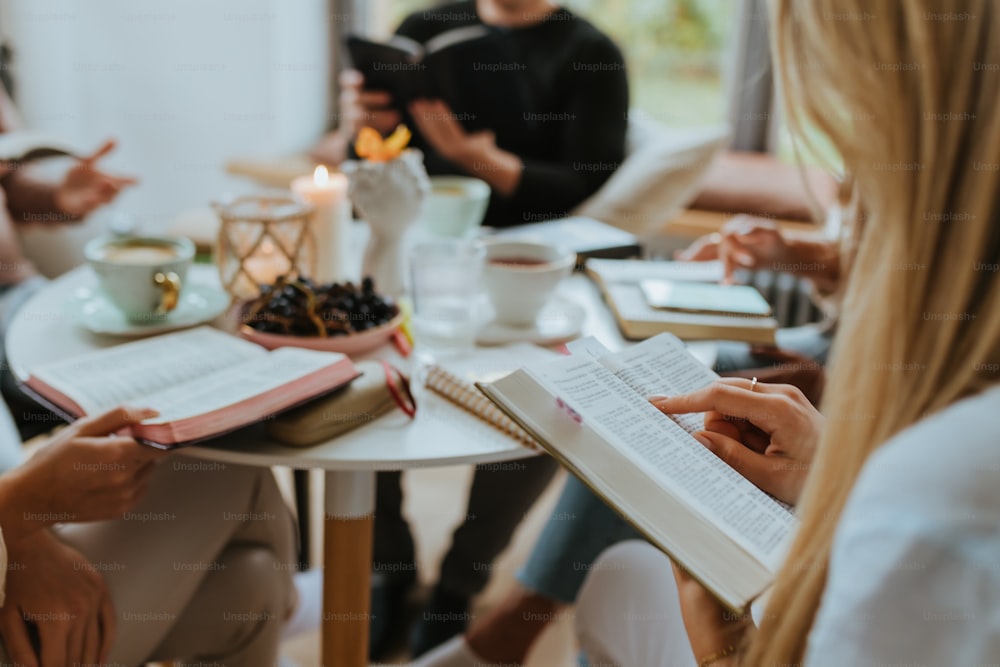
(261, 239)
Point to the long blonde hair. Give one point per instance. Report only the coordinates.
(907, 91)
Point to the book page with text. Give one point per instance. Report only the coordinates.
(126, 373)
(658, 365)
(662, 448)
(239, 383)
(662, 365)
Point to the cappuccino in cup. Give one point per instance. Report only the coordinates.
(143, 276)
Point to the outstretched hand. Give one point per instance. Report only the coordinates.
(85, 187)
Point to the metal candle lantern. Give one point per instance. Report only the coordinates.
(261, 239)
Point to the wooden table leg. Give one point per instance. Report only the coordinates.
(347, 562)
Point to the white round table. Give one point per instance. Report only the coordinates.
(441, 434)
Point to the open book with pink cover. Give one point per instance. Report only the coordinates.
(204, 383)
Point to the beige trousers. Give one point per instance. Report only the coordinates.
(200, 570)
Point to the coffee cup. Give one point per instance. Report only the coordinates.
(143, 276)
(455, 206)
(521, 276)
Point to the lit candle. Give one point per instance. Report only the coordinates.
(330, 222)
(265, 265)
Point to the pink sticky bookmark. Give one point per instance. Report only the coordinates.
(574, 415)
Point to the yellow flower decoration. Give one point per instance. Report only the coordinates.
(371, 146)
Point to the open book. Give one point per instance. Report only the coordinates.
(407, 69)
(28, 145)
(203, 382)
(590, 411)
(470, 68)
(621, 283)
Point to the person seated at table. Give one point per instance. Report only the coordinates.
(541, 156)
(582, 525)
(543, 150)
(25, 199)
(755, 244)
(114, 552)
(894, 559)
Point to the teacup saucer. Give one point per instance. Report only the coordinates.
(561, 320)
(92, 310)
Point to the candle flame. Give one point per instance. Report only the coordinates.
(321, 176)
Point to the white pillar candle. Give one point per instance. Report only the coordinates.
(330, 221)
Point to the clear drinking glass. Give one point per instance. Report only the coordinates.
(446, 289)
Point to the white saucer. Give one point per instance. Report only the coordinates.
(561, 320)
(93, 311)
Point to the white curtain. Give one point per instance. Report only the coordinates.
(183, 84)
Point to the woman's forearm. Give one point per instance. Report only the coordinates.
(17, 520)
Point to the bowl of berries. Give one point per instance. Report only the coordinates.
(337, 317)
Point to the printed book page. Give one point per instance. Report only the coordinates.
(655, 509)
(659, 365)
(661, 448)
(236, 384)
(124, 374)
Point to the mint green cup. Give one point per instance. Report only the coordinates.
(455, 206)
(143, 276)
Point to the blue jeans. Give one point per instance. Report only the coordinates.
(582, 526)
(810, 340)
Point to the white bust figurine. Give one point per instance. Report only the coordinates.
(389, 195)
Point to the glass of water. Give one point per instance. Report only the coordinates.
(446, 290)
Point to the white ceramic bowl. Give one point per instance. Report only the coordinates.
(455, 206)
(521, 276)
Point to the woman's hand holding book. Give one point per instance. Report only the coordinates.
(86, 472)
(767, 432)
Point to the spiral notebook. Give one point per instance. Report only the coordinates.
(455, 380)
(465, 395)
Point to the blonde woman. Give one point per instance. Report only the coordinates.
(897, 560)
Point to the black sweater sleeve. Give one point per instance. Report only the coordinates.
(592, 142)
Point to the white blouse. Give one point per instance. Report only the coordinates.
(914, 575)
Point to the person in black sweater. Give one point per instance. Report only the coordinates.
(542, 151)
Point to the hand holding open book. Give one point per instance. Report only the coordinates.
(768, 433)
(718, 526)
(203, 382)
